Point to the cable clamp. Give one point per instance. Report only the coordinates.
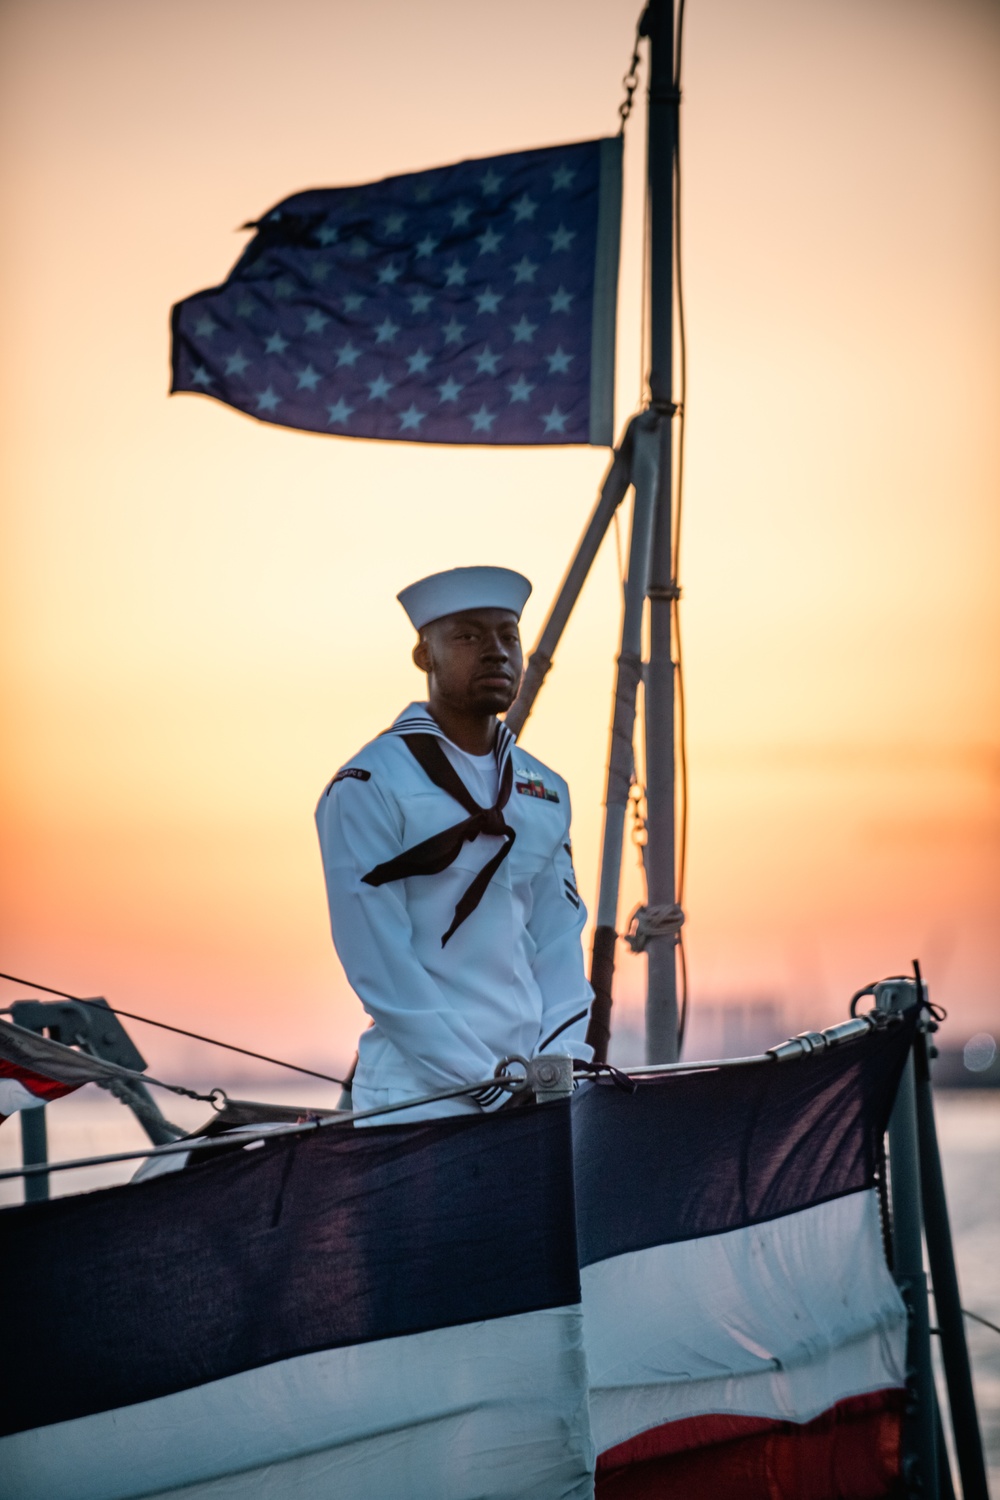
(667, 591)
(665, 407)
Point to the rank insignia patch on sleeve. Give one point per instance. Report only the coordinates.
(530, 784)
(349, 773)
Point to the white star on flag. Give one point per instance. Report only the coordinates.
(379, 388)
(347, 354)
(559, 361)
(339, 411)
(450, 389)
(276, 344)
(205, 327)
(411, 418)
(316, 322)
(520, 389)
(489, 300)
(482, 420)
(487, 362)
(562, 238)
(555, 420)
(268, 400)
(386, 331)
(200, 376)
(308, 379)
(523, 331)
(524, 208)
(417, 362)
(236, 363)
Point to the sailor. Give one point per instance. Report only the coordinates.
(449, 873)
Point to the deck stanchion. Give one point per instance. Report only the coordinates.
(35, 1152)
(945, 1481)
(920, 1458)
(944, 1279)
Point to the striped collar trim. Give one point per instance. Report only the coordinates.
(417, 719)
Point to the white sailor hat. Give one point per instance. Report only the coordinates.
(463, 588)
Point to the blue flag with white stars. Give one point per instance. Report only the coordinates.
(470, 304)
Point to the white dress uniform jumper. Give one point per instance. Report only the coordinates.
(454, 911)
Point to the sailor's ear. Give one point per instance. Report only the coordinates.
(421, 655)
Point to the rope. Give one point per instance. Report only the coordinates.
(179, 1031)
(513, 1085)
(119, 1089)
(490, 1086)
(115, 1076)
(504, 1083)
(649, 922)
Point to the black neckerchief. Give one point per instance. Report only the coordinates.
(439, 851)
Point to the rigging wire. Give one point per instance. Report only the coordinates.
(977, 1318)
(178, 1030)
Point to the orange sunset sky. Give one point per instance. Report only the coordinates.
(199, 622)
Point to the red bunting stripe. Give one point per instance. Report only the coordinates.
(850, 1450)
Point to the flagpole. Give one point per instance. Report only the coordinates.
(661, 923)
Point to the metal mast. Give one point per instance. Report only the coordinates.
(663, 919)
(644, 460)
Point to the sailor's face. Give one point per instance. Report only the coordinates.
(473, 660)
